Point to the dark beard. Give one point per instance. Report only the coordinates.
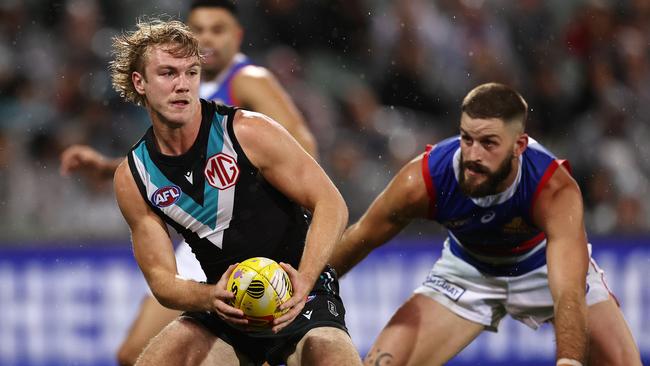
(489, 187)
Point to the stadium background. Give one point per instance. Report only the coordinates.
(377, 81)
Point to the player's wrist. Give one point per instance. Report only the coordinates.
(568, 362)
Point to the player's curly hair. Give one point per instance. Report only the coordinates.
(130, 51)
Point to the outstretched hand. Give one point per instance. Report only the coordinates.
(223, 298)
(296, 303)
(86, 160)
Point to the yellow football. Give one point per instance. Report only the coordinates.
(260, 286)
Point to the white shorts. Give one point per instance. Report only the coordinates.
(187, 265)
(483, 299)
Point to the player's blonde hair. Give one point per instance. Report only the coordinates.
(131, 49)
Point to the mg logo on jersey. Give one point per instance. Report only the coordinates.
(221, 171)
(166, 196)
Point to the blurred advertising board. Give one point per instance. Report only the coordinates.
(72, 306)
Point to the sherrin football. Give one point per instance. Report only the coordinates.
(260, 286)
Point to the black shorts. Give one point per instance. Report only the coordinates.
(324, 308)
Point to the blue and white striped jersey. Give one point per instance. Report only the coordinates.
(496, 234)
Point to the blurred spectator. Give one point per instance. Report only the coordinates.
(377, 81)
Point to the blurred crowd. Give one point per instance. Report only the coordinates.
(377, 80)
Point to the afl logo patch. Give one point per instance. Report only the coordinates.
(166, 196)
(221, 171)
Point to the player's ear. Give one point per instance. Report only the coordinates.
(521, 144)
(138, 82)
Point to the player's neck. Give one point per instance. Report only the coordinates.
(175, 138)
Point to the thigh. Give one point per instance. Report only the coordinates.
(151, 319)
(422, 332)
(185, 342)
(610, 339)
(324, 346)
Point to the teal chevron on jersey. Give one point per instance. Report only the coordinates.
(206, 213)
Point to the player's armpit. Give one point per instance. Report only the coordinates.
(404, 199)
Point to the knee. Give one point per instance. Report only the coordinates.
(328, 347)
(319, 342)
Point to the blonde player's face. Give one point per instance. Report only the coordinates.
(487, 155)
(219, 35)
(170, 84)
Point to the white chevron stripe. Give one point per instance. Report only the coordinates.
(227, 196)
(174, 211)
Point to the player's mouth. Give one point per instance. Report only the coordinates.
(473, 173)
(180, 103)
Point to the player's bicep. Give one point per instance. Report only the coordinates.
(151, 243)
(560, 215)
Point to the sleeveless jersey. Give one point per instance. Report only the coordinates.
(220, 90)
(496, 233)
(217, 199)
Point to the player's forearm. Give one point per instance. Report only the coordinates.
(571, 326)
(351, 250)
(181, 294)
(328, 222)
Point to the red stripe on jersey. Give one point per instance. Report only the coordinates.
(528, 244)
(545, 178)
(431, 189)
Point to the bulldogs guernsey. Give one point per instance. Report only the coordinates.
(496, 233)
(220, 90)
(216, 199)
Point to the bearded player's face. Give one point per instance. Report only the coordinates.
(487, 155)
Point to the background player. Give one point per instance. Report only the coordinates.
(250, 182)
(227, 76)
(516, 244)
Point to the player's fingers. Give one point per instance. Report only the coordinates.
(223, 295)
(68, 164)
(289, 315)
(233, 320)
(225, 276)
(285, 319)
(228, 310)
(291, 302)
(288, 268)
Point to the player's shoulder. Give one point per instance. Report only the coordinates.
(123, 177)
(560, 188)
(410, 182)
(254, 127)
(254, 73)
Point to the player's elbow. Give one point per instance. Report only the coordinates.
(340, 207)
